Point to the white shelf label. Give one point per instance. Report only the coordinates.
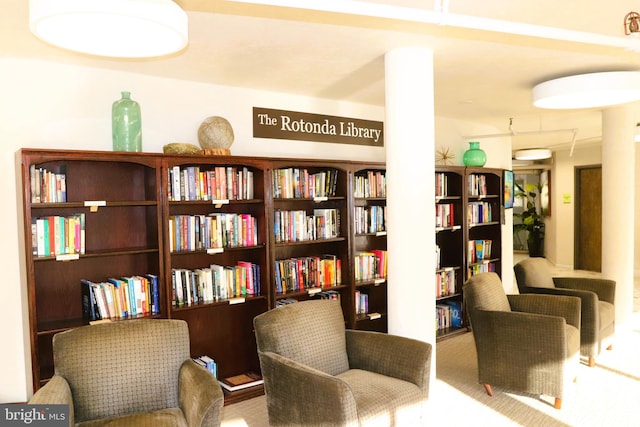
(379, 281)
(320, 199)
(67, 257)
(238, 300)
(374, 316)
(93, 205)
(313, 291)
(219, 202)
(212, 251)
(381, 233)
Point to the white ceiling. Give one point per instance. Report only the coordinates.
(487, 54)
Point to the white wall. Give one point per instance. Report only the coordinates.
(49, 105)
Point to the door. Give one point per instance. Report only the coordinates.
(588, 219)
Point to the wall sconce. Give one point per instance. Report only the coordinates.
(632, 24)
(112, 28)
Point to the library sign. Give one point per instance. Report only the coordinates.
(294, 125)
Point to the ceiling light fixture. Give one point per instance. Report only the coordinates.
(632, 24)
(588, 90)
(532, 154)
(112, 28)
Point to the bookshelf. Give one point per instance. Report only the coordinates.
(143, 214)
(468, 237)
(369, 247)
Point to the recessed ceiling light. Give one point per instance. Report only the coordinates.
(113, 28)
(588, 90)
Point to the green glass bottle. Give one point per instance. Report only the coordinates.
(474, 156)
(126, 124)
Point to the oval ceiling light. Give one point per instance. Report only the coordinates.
(588, 90)
(113, 28)
(532, 154)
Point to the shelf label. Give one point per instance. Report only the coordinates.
(93, 205)
(219, 202)
(320, 199)
(212, 251)
(381, 233)
(374, 316)
(67, 257)
(379, 281)
(237, 300)
(313, 291)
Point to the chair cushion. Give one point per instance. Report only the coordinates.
(382, 400)
(607, 314)
(315, 334)
(535, 273)
(164, 417)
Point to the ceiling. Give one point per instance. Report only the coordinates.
(487, 54)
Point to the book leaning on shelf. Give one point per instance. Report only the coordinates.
(47, 186)
(58, 235)
(119, 298)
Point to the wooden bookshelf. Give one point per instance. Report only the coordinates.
(128, 202)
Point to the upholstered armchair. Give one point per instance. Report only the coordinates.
(131, 373)
(597, 296)
(318, 373)
(526, 343)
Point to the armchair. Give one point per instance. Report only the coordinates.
(318, 373)
(597, 296)
(528, 343)
(131, 373)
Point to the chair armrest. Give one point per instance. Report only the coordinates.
(604, 288)
(200, 395)
(394, 356)
(567, 307)
(55, 392)
(300, 395)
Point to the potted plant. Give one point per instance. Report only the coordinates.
(531, 219)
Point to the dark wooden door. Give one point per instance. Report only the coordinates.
(588, 219)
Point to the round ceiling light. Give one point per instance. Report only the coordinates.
(588, 90)
(113, 28)
(532, 154)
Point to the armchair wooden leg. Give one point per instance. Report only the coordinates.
(558, 403)
(489, 390)
(592, 362)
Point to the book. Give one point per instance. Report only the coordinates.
(242, 381)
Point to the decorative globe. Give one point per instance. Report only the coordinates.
(215, 133)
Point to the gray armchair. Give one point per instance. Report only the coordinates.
(597, 296)
(527, 343)
(131, 373)
(318, 373)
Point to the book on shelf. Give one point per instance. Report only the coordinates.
(370, 184)
(207, 363)
(241, 381)
(192, 183)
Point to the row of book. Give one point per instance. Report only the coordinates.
(370, 184)
(297, 226)
(219, 183)
(214, 283)
(299, 274)
(442, 184)
(58, 235)
(372, 219)
(448, 315)
(121, 297)
(478, 250)
(445, 215)
(480, 268)
(362, 302)
(295, 183)
(479, 213)
(218, 230)
(47, 186)
(370, 265)
(445, 283)
(477, 185)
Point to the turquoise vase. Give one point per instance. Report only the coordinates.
(126, 124)
(474, 156)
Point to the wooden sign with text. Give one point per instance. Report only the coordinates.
(294, 125)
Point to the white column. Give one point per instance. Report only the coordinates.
(618, 172)
(409, 141)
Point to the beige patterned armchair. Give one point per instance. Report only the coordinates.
(316, 373)
(526, 343)
(131, 373)
(597, 295)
